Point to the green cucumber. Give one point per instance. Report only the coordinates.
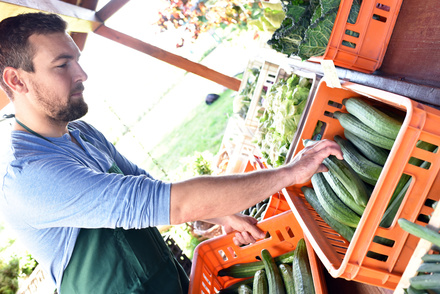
(372, 152)
(274, 279)
(424, 282)
(420, 231)
(344, 230)
(244, 289)
(391, 211)
(260, 283)
(332, 204)
(349, 178)
(431, 258)
(366, 169)
(429, 267)
(354, 125)
(233, 289)
(342, 192)
(287, 276)
(373, 117)
(302, 273)
(248, 269)
(411, 290)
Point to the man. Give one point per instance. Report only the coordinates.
(85, 212)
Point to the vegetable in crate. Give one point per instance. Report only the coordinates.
(307, 27)
(373, 117)
(344, 230)
(274, 280)
(284, 105)
(248, 269)
(243, 99)
(302, 273)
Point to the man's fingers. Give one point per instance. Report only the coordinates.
(326, 147)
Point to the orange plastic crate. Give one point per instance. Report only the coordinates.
(373, 27)
(215, 254)
(349, 260)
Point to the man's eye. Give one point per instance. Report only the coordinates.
(62, 65)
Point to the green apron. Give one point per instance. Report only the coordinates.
(106, 261)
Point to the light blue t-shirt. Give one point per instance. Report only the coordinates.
(49, 190)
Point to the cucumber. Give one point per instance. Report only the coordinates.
(342, 192)
(244, 289)
(287, 276)
(424, 282)
(274, 279)
(354, 125)
(366, 169)
(420, 231)
(431, 258)
(345, 231)
(411, 290)
(391, 211)
(332, 204)
(429, 267)
(373, 117)
(246, 270)
(260, 283)
(349, 178)
(302, 273)
(372, 152)
(233, 289)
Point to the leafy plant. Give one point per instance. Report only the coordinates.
(307, 26)
(284, 104)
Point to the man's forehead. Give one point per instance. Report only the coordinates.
(51, 46)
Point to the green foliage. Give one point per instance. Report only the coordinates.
(284, 104)
(9, 276)
(307, 27)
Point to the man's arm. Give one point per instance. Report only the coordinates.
(209, 197)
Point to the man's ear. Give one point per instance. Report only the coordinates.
(11, 76)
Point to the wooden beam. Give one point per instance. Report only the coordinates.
(79, 19)
(81, 38)
(173, 59)
(110, 8)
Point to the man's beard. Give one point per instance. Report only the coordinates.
(74, 109)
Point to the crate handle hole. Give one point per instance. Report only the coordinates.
(352, 33)
(413, 159)
(379, 18)
(335, 104)
(280, 236)
(383, 7)
(319, 130)
(223, 255)
(290, 232)
(423, 218)
(383, 241)
(377, 256)
(348, 44)
(430, 147)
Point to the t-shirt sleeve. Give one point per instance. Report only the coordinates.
(66, 193)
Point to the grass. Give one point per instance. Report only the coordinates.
(201, 131)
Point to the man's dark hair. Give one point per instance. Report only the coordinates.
(15, 50)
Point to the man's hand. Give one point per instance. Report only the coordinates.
(247, 231)
(309, 160)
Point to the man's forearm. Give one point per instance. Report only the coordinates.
(209, 197)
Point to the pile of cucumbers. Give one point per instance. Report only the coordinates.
(340, 195)
(427, 279)
(289, 273)
(257, 211)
